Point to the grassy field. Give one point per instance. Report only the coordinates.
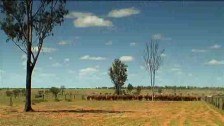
(109, 113)
(113, 113)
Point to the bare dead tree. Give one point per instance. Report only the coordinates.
(152, 59)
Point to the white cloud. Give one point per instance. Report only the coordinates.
(132, 44)
(56, 64)
(88, 20)
(23, 58)
(157, 36)
(88, 57)
(2, 71)
(44, 49)
(63, 43)
(77, 15)
(163, 55)
(46, 74)
(88, 71)
(216, 46)
(175, 69)
(71, 71)
(215, 62)
(190, 74)
(142, 67)
(126, 58)
(109, 43)
(118, 13)
(66, 60)
(198, 50)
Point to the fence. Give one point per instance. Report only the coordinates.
(216, 100)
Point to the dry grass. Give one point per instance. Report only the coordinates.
(113, 113)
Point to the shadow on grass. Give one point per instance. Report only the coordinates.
(83, 111)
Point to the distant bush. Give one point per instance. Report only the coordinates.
(130, 88)
(138, 90)
(9, 93)
(55, 91)
(16, 92)
(160, 90)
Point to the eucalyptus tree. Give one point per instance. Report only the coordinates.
(118, 75)
(27, 24)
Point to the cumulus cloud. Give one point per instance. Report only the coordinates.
(216, 46)
(163, 55)
(109, 43)
(132, 44)
(126, 58)
(2, 71)
(215, 62)
(157, 36)
(56, 64)
(62, 43)
(83, 20)
(50, 58)
(71, 71)
(119, 13)
(142, 67)
(88, 71)
(44, 49)
(198, 50)
(46, 74)
(175, 69)
(88, 57)
(66, 60)
(23, 58)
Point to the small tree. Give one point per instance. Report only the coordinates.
(138, 90)
(130, 87)
(16, 92)
(118, 75)
(55, 92)
(9, 94)
(62, 89)
(152, 58)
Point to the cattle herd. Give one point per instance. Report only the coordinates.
(144, 97)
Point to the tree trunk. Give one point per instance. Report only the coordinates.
(151, 77)
(153, 84)
(28, 88)
(29, 66)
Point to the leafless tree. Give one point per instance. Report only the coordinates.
(152, 59)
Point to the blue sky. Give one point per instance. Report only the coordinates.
(95, 33)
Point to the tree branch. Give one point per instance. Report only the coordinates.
(42, 4)
(19, 47)
(38, 52)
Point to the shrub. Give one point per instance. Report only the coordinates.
(138, 90)
(55, 92)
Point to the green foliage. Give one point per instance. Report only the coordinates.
(130, 87)
(138, 90)
(160, 90)
(9, 93)
(62, 89)
(118, 74)
(16, 92)
(42, 20)
(55, 91)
